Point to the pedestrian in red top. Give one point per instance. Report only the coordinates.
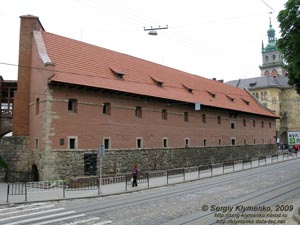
(296, 149)
(134, 172)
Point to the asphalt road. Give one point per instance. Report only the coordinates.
(263, 195)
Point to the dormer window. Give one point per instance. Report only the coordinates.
(189, 89)
(246, 101)
(230, 98)
(157, 81)
(253, 84)
(212, 94)
(118, 73)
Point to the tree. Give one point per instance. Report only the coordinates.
(289, 42)
(3, 163)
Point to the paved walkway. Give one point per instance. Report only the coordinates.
(45, 191)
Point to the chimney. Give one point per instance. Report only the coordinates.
(29, 24)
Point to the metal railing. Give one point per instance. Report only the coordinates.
(145, 180)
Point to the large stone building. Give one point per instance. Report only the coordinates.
(73, 96)
(273, 91)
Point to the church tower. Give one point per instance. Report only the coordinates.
(272, 62)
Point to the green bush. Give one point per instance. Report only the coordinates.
(3, 163)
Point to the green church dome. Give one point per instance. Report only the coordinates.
(271, 39)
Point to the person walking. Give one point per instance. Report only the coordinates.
(296, 149)
(134, 173)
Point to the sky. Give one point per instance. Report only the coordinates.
(213, 39)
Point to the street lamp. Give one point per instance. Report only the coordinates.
(153, 30)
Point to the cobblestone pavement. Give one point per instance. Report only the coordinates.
(162, 205)
(162, 210)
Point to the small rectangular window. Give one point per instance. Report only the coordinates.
(187, 142)
(233, 141)
(270, 125)
(36, 143)
(61, 141)
(186, 117)
(106, 108)
(165, 142)
(232, 125)
(253, 123)
(72, 105)
(37, 106)
(107, 143)
(204, 142)
(164, 114)
(244, 122)
(220, 141)
(72, 142)
(245, 141)
(139, 143)
(138, 112)
(203, 118)
(262, 124)
(219, 119)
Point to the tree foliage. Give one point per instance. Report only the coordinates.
(289, 43)
(3, 163)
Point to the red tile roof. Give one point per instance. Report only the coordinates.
(80, 63)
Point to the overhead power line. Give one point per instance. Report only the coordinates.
(273, 11)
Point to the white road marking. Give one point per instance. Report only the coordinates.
(82, 221)
(22, 206)
(59, 220)
(26, 210)
(44, 217)
(32, 214)
(103, 223)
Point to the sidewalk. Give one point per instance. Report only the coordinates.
(56, 190)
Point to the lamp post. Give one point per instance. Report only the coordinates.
(153, 30)
(100, 155)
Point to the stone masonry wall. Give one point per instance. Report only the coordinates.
(63, 164)
(71, 163)
(15, 151)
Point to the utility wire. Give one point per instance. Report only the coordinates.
(268, 6)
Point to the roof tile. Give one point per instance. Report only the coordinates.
(85, 64)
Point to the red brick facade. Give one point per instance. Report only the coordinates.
(89, 125)
(21, 105)
(72, 116)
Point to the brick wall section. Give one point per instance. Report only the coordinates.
(91, 126)
(21, 104)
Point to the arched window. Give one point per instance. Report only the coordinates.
(267, 73)
(274, 73)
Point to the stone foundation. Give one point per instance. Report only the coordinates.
(63, 164)
(118, 162)
(15, 151)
